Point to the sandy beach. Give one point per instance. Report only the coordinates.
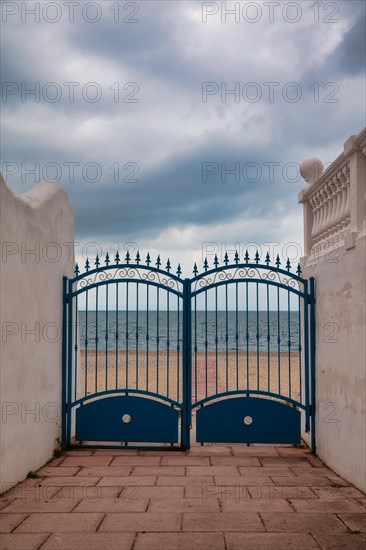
(162, 373)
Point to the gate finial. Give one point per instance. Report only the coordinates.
(278, 261)
(97, 262)
(236, 257)
(195, 269)
(246, 257)
(268, 260)
(138, 257)
(168, 266)
(256, 257)
(107, 260)
(226, 259)
(148, 261)
(205, 264)
(116, 259)
(87, 265)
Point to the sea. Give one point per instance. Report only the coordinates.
(144, 330)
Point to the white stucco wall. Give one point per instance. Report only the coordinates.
(31, 320)
(338, 264)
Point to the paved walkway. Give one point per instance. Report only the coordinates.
(213, 497)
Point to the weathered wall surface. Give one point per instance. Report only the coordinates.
(335, 254)
(37, 250)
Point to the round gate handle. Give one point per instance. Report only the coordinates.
(126, 419)
(248, 420)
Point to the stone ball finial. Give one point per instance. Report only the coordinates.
(311, 170)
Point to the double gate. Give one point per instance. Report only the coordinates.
(154, 359)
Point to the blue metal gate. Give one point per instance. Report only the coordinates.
(147, 354)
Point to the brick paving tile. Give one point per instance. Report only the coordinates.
(78, 452)
(311, 471)
(90, 461)
(158, 471)
(119, 471)
(275, 492)
(56, 461)
(341, 541)
(31, 491)
(303, 481)
(149, 521)
(355, 522)
(88, 492)
(113, 505)
(168, 493)
(39, 505)
(161, 453)
(27, 541)
(315, 461)
(257, 451)
(185, 481)
(338, 481)
(60, 482)
(58, 471)
(235, 461)
(177, 541)
(48, 523)
(222, 521)
(270, 541)
(212, 471)
(115, 452)
(107, 471)
(265, 471)
(5, 502)
(289, 462)
(251, 505)
(299, 522)
(209, 451)
(186, 460)
(91, 541)
(8, 522)
(246, 481)
(292, 451)
(135, 461)
(123, 481)
(184, 505)
(327, 506)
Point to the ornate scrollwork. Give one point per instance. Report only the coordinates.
(233, 273)
(133, 273)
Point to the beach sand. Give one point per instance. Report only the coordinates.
(162, 373)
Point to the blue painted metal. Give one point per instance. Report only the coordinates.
(147, 421)
(270, 422)
(274, 402)
(312, 363)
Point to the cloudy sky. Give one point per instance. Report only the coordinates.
(131, 110)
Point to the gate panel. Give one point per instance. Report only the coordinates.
(125, 355)
(250, 337)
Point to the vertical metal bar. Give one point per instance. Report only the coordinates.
(86, 342)
(289, 341)
(236, 336)
(257, 334)
(106, 337)
(147, 337)
(268, 343)
(137, 335)
(187, 364)
(76, 348)
(312, 363)
(226, 337)
(69, 366)
(306, 356)
(157, 340)
(206, 346)
(96, 338)
(117, 334)
(299, 350)
(127, 335)
(247, 331)
(278, 341)
(178, 349)
(64, 360)
(216, 346)
(167, 343)
(195, 348)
